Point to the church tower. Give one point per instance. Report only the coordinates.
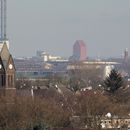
(7, 68)
(7, 74)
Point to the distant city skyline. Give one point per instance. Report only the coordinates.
(54, 26)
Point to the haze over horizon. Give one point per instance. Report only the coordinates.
(54, 26)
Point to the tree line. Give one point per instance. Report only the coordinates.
(61, 111)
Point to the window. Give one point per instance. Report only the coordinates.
(2, 80)
(10, 80)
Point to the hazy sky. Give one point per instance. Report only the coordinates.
(54, 26)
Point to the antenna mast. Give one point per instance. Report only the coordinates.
(5, 9)
(3, 20)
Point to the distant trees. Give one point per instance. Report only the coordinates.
(38, 126)
(76, 84)
(83, 75)
(46, 113)
(28, 114)
(60, 110)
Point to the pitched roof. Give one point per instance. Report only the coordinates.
(10, 60)
(4, 53)
(2, 69)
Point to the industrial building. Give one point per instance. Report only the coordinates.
(44, 56)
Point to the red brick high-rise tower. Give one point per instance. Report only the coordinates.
(79, 51)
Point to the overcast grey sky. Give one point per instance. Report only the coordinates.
(54, 25)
